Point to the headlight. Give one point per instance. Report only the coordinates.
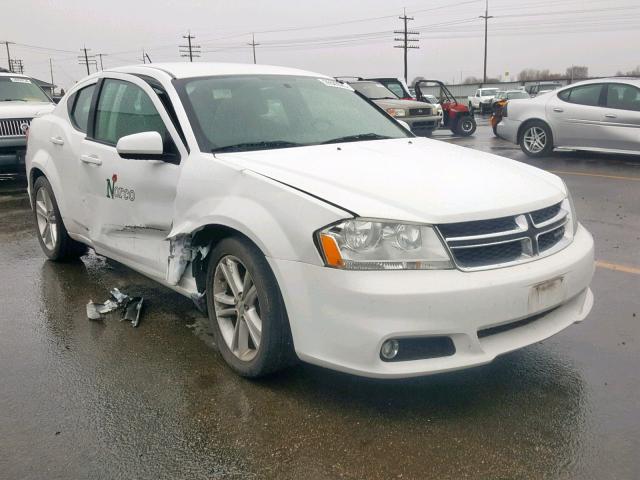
(573, 217)
(371, 244)
(397, 112)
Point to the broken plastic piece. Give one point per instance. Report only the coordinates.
(92, 312)
(132, 310)
(180, 254)
(119, 296)
(200, 301)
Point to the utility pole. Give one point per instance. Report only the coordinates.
(100, 55)
(189, 50)
(86, 59)
(6, 43)
(406, 40)
(17, 66)
(253, 45)
(486, 17)
(51, 71)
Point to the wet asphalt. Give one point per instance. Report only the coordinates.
(82, 399)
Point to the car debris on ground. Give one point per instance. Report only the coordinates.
(131, 307)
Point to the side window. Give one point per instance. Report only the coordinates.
(81, 106)
(623, 97)
(396, 89)
(584, 95)
(124, 109)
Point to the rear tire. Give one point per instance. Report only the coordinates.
(536, 139)
(54, 239)
(246, 310)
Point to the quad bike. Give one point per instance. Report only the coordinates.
(455, 115)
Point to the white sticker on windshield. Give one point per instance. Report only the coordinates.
(334, 83)
(19, 80)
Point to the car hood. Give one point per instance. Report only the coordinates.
(415, 179)
(24, 109)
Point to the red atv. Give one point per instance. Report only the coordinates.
(455, 116)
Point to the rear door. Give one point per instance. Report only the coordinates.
(131, 201)
(66, 140)
(621, 117)
(576, 115)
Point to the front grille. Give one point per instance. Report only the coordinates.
(14, 127)
(419, 112)
(429, 124)
(545, 214)
(497, 242)
(505, 327)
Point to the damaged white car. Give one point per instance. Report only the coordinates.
(309, 223)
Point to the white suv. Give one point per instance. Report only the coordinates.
(20, 100)
(310, 223)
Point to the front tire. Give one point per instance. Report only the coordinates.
(536, 139)
(246, 310)
(54, 239)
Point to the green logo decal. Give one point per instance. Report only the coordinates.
(119, 192)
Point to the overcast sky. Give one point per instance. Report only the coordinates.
(334, 37)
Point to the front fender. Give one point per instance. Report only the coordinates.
(279, 219)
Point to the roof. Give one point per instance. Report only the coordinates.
(203, 69)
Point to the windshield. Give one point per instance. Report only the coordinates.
(431, 99)
(488, 91)
(20, 89)
(514, 95)
(250, 112)
(373, 90)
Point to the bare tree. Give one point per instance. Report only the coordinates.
(631, 73)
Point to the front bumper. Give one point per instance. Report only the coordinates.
(422, 125)
(339, 319)
(508, 129)
(12, 152)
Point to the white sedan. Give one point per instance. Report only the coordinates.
(309, 223)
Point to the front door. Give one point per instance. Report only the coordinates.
(575, 115)
(132, 201)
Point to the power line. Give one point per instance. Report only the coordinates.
(486, 17)
(406, 41)
(253, 46)
(189, 50)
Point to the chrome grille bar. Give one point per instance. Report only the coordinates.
(13, 127)
(536, 234)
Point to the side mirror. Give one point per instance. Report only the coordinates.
(141, 146)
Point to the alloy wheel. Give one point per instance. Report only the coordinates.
(535, 139)
(467, 126)
(47, 220)
(237, 309)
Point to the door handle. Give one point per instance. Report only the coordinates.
(610, 115)
(56, 140)
(559, 110)
(90, 159)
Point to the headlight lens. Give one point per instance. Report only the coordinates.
(573, 218)
(371, 244)
(397, 112)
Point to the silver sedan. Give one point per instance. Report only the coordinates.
(598, 115)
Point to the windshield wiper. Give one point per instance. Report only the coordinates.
(357, 138)
(256, 146)
(13, 100)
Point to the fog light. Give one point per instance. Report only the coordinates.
(389, 349)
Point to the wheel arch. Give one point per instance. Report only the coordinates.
(528, 122)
